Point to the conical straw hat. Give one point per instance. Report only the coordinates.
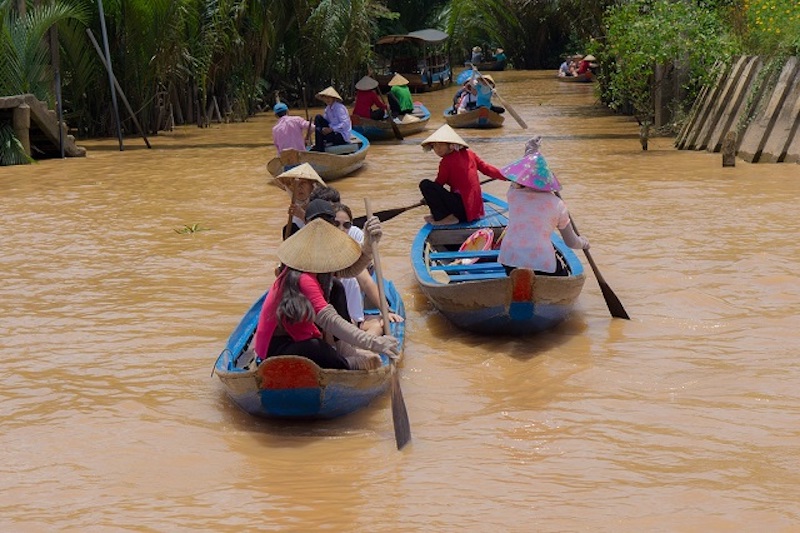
(303, 172)
(489, 78)
(532, 171)
(319, 248)
(445, 134)
(330, 91)
(397, 79)
(366, 84)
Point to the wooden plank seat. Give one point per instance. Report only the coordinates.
(475, 267)
(342, 149)
(481, 254)
(478, 276)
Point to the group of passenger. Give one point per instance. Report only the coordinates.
(534, 208)
(334, 126)
(315, 307)
(475, 92)
(577, 65)
(477, 56)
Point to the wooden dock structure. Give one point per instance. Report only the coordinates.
(36, 127)
(761, 109)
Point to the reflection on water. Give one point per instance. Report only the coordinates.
(682, 419)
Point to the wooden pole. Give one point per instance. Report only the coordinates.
(110, 72)
(55, 60)
(118, 89)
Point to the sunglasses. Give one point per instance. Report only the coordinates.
(345, 225)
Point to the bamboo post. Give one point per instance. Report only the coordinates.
(118, 89)
(110, 72)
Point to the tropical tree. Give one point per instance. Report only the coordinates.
(25, 57)
(644, 36)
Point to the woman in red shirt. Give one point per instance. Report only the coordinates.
(296, 318)
(458, 169)
(366, 98)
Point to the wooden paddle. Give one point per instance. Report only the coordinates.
(402, 427)
(287, 232)
(305, 104)
(613, 303)
(388, 214)
(508, 106)
(395, 129)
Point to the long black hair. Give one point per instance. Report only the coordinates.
(294, 307)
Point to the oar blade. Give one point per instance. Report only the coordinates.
(386, 214)
(395, 129)
(402, 427)
(614, 305)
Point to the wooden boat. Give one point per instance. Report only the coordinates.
(586, 77)
(335, 162)
(290, 386)
(494, 66)
(419, 56)
(381, 130)
(481, 117)
(479, 296)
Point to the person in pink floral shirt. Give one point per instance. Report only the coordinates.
(534, 212)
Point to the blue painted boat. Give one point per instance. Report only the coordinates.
(335, 162)
(381, 130)
(294, 387)
(480, 117)
(471, 289)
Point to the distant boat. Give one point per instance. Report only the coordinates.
(418, 56)
(335, 162)
(491, 65)
(481, 117)
(381, 130)
(586, 77)
(294, 387)
(470, 288)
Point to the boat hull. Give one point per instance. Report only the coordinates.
(481, 117)
(381, 130)
(329, 165)
(580, 78)
(481, 298)
(294, 387)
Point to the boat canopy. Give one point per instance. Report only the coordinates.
(427, 36)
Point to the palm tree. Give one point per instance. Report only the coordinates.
(24, 61)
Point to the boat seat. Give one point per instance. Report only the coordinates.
(478, 275)
(481, 254)
(473, 268)
(342, 149)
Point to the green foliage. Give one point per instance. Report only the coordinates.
(187, 230)
(772, 27)
(24, 56)
(645, 33)
(11, 150)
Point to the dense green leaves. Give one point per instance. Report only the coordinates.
(642, 36)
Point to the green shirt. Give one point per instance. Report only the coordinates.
(403, 96)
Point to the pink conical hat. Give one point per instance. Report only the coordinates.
(532, 171)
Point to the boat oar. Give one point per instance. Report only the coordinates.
(395, 129)
(613, 303)
(287, 232)
(305, 104)
(402, 427)
(508, 106)
(388, 214)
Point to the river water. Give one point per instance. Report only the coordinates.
(684, 418)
